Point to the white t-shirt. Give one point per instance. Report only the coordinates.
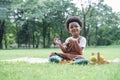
(82, 42)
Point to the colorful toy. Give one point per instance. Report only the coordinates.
(97, 58)
(93, 58)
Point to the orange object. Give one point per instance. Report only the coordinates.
(65, 61)
(99, 59)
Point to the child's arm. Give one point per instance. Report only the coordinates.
(78, 48)
(62, 46)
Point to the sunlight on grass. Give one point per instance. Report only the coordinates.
(50, 71)
(109, 52)
(16, 53)
(26, 71)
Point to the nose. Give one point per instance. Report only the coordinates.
(74, 28)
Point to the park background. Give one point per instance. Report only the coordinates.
(27, 29)
(34, 23)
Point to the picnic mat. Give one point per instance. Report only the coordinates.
(43, 60)
(27, 59)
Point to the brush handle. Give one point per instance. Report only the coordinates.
(98, 57)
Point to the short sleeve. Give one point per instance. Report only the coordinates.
(82, 42)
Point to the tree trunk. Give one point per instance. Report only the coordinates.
(44, 34)
(18, 42)
(84, 26)
(48, 36)
(96, 41)
(33, 40)
(2, 25)
(5, 39)
(38, 41)
(61, 35)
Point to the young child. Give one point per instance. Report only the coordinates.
(73, 47)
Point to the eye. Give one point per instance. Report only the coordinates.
(76, 26)
(71, 27)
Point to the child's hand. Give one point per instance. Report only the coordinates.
(57, 41)
(72, 41)
(71, 44)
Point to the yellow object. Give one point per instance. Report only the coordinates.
(101, 59)
(93, 59)
(98, 59)
(65, 61)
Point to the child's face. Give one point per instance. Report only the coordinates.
(74, 28)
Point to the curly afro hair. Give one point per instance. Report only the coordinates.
(73, 19)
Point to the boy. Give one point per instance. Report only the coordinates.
(73, 48)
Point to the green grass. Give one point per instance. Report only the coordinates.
(16, 53)
(26, 71)
(49, 71)
(109, 52)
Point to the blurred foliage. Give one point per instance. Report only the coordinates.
(34, 23)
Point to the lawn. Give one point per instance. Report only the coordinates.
(50, 71)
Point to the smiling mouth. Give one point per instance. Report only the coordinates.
(75, 30)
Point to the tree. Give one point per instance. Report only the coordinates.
(95, 16)
(55, 15)
(25, 15)
(3, 15)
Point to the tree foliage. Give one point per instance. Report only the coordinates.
(34, 23)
